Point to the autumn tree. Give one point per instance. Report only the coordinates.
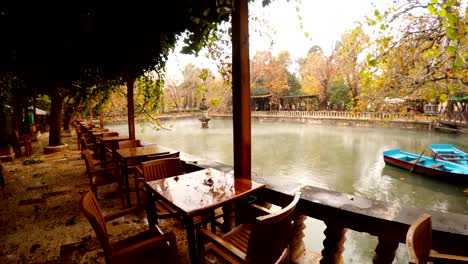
(350, 59)
(317, 71)
(422, 50)
(270, 73)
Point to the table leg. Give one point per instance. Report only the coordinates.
(127, 184)
(212, 216)
(102, 150)
(151, 209)
(191, 240)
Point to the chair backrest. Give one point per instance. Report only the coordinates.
(132, 143)
(90, 208)
(270, 235)
(84, 144)
(161, 168)
(89, 161)
(419, 240)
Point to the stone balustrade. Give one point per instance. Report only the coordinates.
(340, 212)
(384, 220)
(342, 115)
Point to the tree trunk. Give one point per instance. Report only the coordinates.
(66, 121)
(3, 132)
(67, 117)
(16, 117)
(56, 117)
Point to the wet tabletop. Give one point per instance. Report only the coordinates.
(194, 192)
(97, 129)
(100, 134)
(141, 151)
(114, 138)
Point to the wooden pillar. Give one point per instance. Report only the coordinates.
(241, 90)
(130, 107)
(101, 120)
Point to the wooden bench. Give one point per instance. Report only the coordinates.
(448, 155)
(415, 161)
(456, 159)
(437, 165)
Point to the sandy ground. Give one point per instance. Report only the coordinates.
(40, 221)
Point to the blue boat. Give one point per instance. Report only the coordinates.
(442, 169)
(449, 153)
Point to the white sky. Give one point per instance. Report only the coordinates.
(324, 20)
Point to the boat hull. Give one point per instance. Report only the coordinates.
(441, 169)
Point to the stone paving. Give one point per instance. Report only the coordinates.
(40, 221)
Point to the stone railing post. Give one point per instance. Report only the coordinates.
(333, 243)
(297, 244)
(385, 251)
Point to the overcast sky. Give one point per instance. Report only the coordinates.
(324, 20)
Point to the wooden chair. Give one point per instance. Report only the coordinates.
(419, 241)
(2, 180)
(265, 240)
(78, 135)
(150, 246)
(85, 145)
(132, 143)
(21, 141)
(131, 163)
(101, 177)
(160, 169)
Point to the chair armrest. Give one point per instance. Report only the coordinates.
(445, 258)
(103, 171)
(253, 211)
(148, 245)
(100, 163)
(260, 210)
(120, 213)
(219, 242)
(139, 171)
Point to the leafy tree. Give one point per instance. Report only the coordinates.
(339, 94)
(349, 50)
(422, 50)
(317, 71)
(294, 84)
(100, 38)
(271, 73)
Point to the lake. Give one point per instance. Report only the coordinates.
(338, 158)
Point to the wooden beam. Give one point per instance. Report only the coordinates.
(130, 107)
(241, 90)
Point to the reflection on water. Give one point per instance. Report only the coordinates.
(345, 159)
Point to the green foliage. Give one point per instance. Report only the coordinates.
(339, 94)
(43, 102)
(294, 84)
(420, 54)
(259, 91)
(149, 93)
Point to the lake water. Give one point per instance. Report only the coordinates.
(338, 158)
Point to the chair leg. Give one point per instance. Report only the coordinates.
(94, 190)
(137, 189)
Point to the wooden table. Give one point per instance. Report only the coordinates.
(191, 195)
(133, 153)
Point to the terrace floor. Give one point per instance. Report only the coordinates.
(40, 221)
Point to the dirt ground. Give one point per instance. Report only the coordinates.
(40, 221)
